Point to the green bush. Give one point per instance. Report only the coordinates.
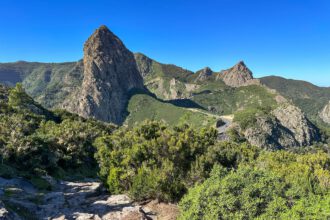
(267, 185)
(37, 141)
(247, 117)
(155, 150)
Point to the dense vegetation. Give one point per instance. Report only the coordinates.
(152, 160)
(36, 142)
(178, 163)
(277, 185)
(247, 118)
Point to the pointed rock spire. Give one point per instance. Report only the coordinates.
(110, 72)
(203, 74)
(238, 75)
(240, 66)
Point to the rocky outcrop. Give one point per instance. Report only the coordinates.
(292, 118)
(86, 199)
(110, 73)
(325, 113)
(270, 134)
(203, 74)
(238, 75)
(285, 127)
(144, 64)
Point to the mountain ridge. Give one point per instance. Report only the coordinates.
(102, 86)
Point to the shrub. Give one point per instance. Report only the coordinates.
(242, 194)
(273, 185)
(155, 150)
(247, 117)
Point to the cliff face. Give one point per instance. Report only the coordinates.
(286, 127)
(238, 75)
(144, 64)
(325, 113)
(110, 73)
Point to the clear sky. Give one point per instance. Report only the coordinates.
(289, 38)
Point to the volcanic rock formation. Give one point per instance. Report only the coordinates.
(110, 73)
(238, 75)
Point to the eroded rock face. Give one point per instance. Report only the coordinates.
(144, 64)
(286, 127)
(110, 73)
(238, 75)
(204, 74)
(325, 113)
(269, 133)
(296, 122)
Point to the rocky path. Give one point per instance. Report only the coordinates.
(74, 200)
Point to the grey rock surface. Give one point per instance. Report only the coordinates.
(144, 64)
(292, 118)
(86, 199)
(203, 74)
(325, 113)
(238, 75)
(110, 73)
(285, 127)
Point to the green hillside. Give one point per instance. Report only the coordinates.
(157, 77)
(143, 106)
(224, 100)
(47, 83)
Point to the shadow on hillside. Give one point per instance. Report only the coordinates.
(183, 103)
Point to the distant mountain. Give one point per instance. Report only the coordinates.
(166, 81)
(310, 98)
(238, 75)
(114, 85)
(47, 83)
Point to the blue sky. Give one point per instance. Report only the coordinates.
(289, 38)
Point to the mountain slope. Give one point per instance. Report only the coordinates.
(144, 106)
(310, 98)
(47, 83)
(166, 81)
